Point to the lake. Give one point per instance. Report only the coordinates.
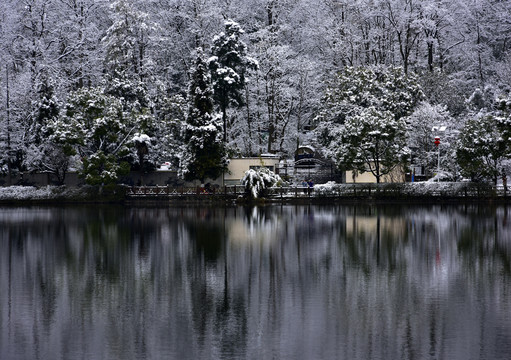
(273, 282)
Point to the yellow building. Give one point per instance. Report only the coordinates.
(238, 166)
(395, 176)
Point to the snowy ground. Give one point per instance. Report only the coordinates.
(34, 193)
(58, 193)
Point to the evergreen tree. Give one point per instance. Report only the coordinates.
(127, 40)
(46, 109)
(170, 115)
(503, 117)
(229, 65)
(373, 141)
(92, 127)
(42, 154)
(204, 154)
(361, 125)
(481, 149)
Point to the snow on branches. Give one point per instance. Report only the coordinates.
(257, 182)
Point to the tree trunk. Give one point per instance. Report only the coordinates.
(430, 56)
(8, 130)
(224, 119)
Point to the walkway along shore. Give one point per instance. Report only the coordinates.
(326, 193)
(320, 194)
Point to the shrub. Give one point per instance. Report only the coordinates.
(257, 182)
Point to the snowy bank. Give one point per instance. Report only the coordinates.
(57, 193)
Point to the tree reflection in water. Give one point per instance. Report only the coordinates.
(301, 282)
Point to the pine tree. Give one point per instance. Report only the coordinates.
(204, 154)
(229, 65)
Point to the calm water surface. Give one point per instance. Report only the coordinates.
(291, 282)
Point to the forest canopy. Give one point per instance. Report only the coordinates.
(80, 79)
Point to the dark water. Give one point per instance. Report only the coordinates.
(364, 282)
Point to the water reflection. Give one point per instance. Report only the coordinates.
(286, 282)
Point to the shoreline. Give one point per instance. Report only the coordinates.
(338, 195)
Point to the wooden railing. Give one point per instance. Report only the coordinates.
(175, 191)
(381, 191)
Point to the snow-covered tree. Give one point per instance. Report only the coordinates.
(127, 40)
(79, 26)
(421, 135)
(357, 93)
(130, 48)
(284, 90)
(142, 145)
(229, 65)
(48, 157)
(169, 120)
(481, 149)
(373, 141)
(387, 89)
(204, 152)
(46, 109)
(43, 154)
(441, 89)
(92, 126)
(503, 118)
(257, 182)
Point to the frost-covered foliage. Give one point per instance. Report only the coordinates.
(103, 169)
(481, 149)
(422, 128)
(257, 182)
(503, 118)
(357, 88)
(229, 65)
(142, 139)
(203, 153)
(48, 157)
(142, 145)
(167, 133)
(283, 96)
(372, 141)
(440, 89)
(43, 154)
(139, 52)
(91, 121)
(329, 188)
(47, 108)
(92, 126)
(361, 124)
(131, 92)
(127, 39)
(482, 99)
